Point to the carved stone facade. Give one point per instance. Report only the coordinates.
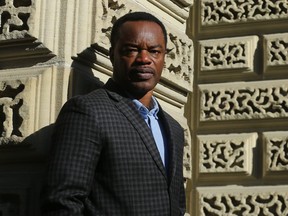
(53, 50)
(225, 81)
(239, 107)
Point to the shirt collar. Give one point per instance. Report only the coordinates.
(144, 111)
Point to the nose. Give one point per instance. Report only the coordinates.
(143, 56)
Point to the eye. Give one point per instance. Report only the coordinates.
(155, 52)
(130, 51)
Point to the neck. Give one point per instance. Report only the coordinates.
(146, 99)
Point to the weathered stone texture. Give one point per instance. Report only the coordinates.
(226, 153)
(15, 15)
(237, 11)
(250, 100)
(276, 144)
(228, 53)
(276, 49)
(221, 201)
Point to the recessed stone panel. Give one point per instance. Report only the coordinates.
(228, 53)
(231, 12)
(276, 155)
(226, 153)
(276, 50)
(235, 200)
(244, 100)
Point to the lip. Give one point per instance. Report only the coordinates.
(142, 73)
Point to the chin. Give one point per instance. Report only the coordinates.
(141, 89)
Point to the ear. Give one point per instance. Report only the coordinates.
(111, 55)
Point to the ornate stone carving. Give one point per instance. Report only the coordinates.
(276, 150)
(187, 157)
(179, 61)
(226, 153)
(10, 115)
(15, 15)
(267, 99)
(243, 201)
(276, 49)
(236, 11)
(228, 53)
(30, 99)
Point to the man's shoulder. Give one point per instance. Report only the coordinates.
(91, 100)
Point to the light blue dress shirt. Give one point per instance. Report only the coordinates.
(151, 119)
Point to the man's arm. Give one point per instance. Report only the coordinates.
(74, 153)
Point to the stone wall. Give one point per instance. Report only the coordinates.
(226, 83)
(53, 50)
(239, 107)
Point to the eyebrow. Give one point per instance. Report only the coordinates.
(136, 45)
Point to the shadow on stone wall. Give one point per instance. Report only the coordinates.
(22, 165)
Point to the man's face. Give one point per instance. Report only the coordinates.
(138, 56)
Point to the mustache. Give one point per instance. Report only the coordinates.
(142, 69)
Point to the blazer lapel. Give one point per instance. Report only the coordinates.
(128, 109)
(170, 144)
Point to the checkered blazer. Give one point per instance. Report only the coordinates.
(104, 160)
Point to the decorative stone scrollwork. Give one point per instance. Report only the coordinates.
(226, 153)
(187, 157)
(270, 201)
(236, 11)
(276, 49)
(276, 151)
(228, 53)
(179, 61)
(10, 115)
(267, 99)
(14, 16)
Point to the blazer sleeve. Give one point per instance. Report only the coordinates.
(75, 150)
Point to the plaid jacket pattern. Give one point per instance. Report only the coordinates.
(104, 161)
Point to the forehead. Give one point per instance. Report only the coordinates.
(141, 30)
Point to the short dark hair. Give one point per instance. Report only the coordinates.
(135, 16)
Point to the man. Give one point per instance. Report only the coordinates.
(115, 151)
